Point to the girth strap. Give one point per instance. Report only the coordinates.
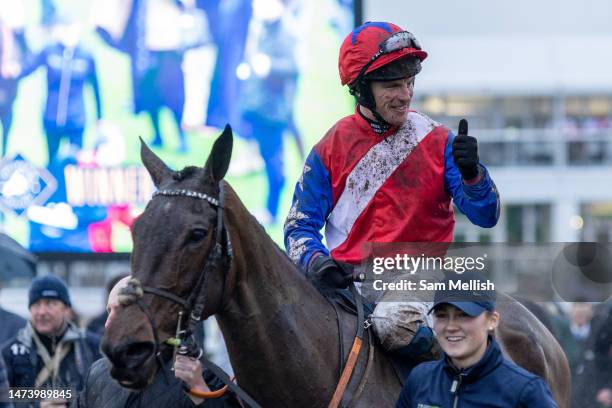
(341, 335)
(353, 354)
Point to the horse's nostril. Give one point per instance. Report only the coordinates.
(137, 353)
(132, 354)
(140, 350)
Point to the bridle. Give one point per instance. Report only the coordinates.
(194, 305)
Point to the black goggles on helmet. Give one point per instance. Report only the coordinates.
(395, 42)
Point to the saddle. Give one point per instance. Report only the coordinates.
(344, 299)
(401, 330)
(390, 336)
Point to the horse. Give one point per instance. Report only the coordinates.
(287, 343)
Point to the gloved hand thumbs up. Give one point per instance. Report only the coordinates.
(463, 127)
(465, 152)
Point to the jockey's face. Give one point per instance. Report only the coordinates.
(393, 99)
(48, 316)
(462, 337)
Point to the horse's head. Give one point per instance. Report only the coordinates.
(176, 236)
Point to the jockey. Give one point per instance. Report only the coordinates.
(386, 173)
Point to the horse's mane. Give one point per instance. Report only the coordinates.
(186, 173)
(251, 222)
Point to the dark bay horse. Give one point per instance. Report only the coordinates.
(282, 335)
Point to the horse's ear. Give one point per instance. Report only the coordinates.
(220, 156)
(155, 166)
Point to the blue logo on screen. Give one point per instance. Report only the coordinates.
(22, 184)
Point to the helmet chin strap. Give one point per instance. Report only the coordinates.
(378, 124)
(380, 119)
(363, 93)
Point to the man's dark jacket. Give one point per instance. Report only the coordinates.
(23, 362)
(10, 323)
(4, 386)
(102, 391)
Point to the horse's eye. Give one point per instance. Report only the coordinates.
(197, 235)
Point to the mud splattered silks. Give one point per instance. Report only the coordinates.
(395, 187)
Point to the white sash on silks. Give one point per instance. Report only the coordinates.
(368, 176)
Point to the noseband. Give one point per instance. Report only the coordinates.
(194, 305)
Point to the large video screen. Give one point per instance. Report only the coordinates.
(82, 80)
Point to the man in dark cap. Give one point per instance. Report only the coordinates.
(49, 351)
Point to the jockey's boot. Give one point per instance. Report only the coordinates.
(423, 347)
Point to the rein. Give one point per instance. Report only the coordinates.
(194, 305)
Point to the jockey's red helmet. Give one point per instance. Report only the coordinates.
(374, 45)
